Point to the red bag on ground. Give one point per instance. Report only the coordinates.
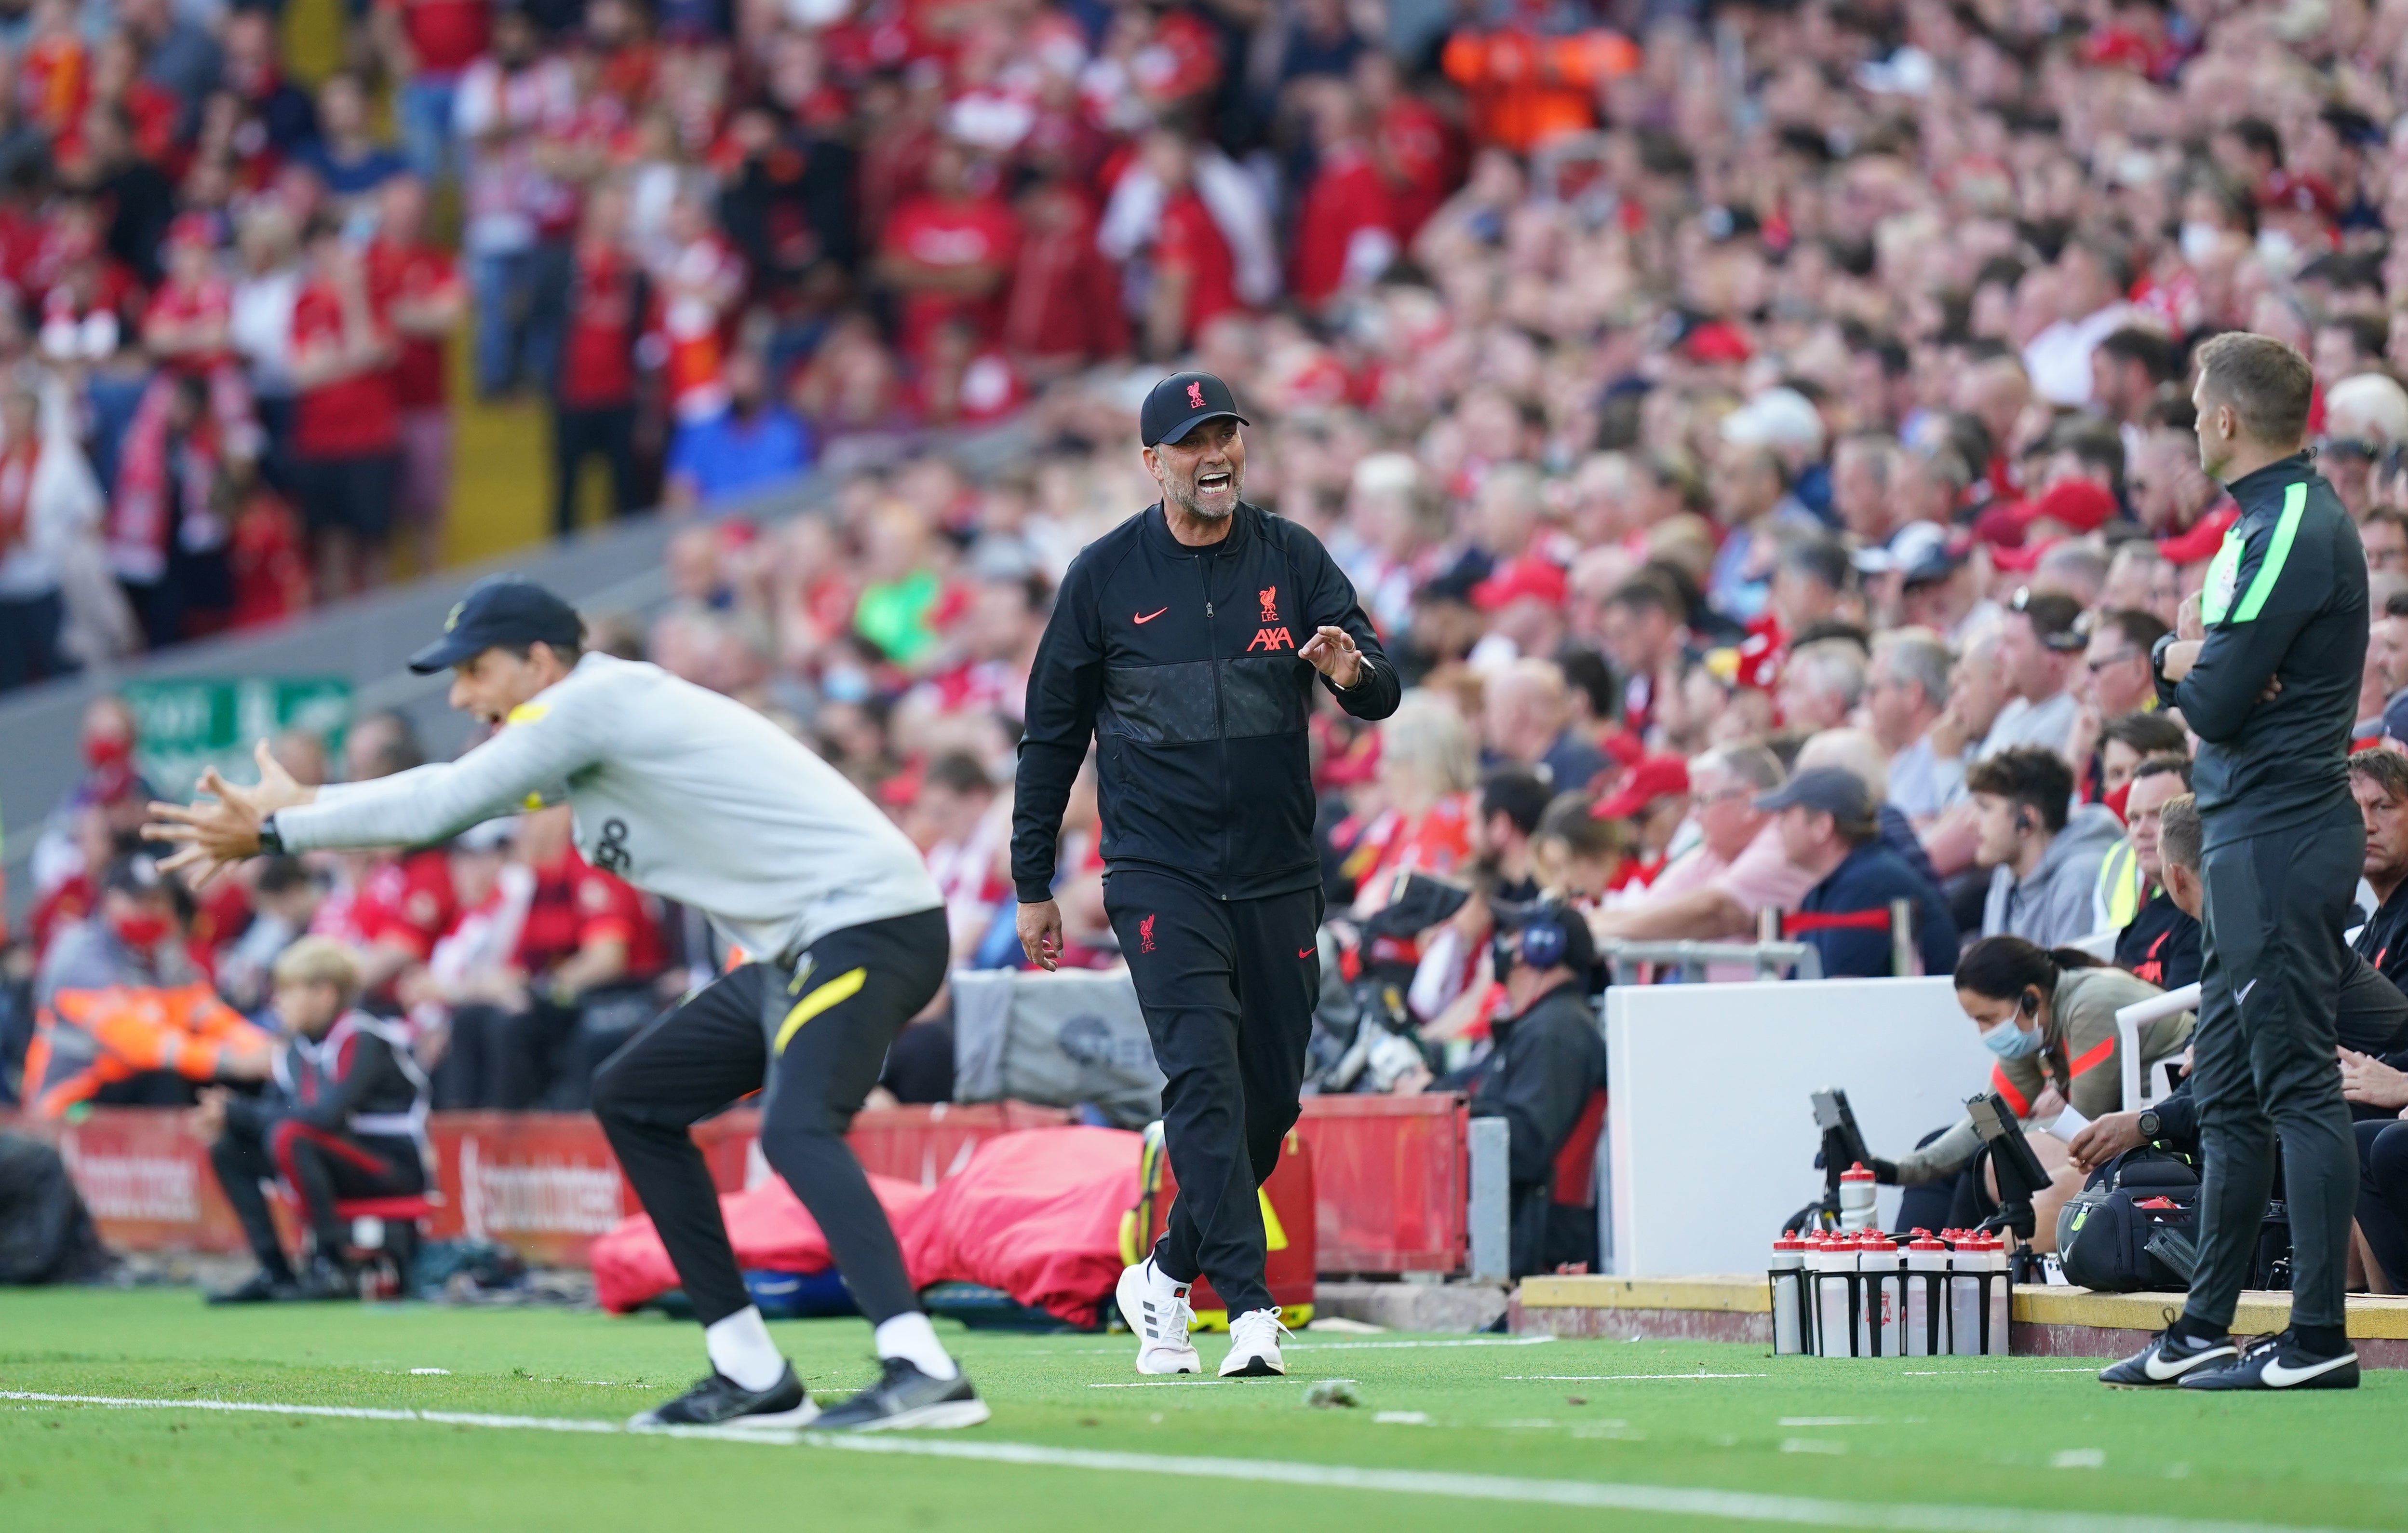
(768, 1226)
(1037, 1214)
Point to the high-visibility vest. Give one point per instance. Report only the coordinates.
(2119, 894)
(86, 1039)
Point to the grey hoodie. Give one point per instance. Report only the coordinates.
(2053, 906)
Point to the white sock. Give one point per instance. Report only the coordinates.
(910, 1335)
(741, 1348)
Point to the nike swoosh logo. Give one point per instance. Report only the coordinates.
(2155, 1370)
(2278, 1376)
(1149, 617)
(1304, 952)
(2241, 994)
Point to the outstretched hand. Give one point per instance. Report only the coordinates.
(221, 827)
(1332, 652)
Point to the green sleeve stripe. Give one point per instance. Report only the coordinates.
(2295, 505)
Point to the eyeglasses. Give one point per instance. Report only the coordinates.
(2097, 666)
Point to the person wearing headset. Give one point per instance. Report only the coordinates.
(2043, 862)
(2049, 1019)
(1546, 1078)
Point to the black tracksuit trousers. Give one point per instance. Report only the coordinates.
(319, 1165)
(2262, 1063)
(1227, 987)
(812, 1042)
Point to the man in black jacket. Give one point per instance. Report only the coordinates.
(1186, 643)
(1546, 1078)
(2266, 670)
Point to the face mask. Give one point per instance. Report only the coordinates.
(2198, 241)
(2011, 1042)
(141, 932)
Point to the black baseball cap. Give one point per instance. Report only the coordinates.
(1838, 793)
(1180, 402)
(500, 610)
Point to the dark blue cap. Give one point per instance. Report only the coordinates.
(1183, 401)
(500, 610)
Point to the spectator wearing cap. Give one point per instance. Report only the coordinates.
(1906, 690)
(1856, 751)
(1830, 831)
(1526, 719)
(2154, 938)
(1654, 801)
(1524, 599)
(2039, 647)
(1714, 891)
(2043, 862)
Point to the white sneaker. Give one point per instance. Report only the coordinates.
(1254, 1346)
(1156, 1310)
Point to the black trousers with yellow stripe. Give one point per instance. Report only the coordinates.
(812, 1042)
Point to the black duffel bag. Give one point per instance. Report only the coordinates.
(2133, 1227)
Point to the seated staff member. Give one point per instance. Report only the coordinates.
(1828, 828)
(2050, 1018)
(2378, 780)
(2372, 1019)
(2160, 942)
(344, 1117)
(1546, 1078)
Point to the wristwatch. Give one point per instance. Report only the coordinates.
(2150, 1125)
(271, 841)
(2158, 653)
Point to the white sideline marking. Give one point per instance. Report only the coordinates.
(1812, 1445)
(1364, 1346)
(1671, 1501)
(1605, 1378)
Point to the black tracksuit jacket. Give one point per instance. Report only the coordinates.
(2286, 597)
(1180, 665)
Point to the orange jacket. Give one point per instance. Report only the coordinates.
(84, 1040)
(1526, 89)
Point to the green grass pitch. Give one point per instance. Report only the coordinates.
(1454, 1436)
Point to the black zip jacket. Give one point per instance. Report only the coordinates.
(359, 1078)
(2285, 596)
(1180, 665)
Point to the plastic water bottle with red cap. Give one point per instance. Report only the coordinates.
(1857, 1194)
(1791, 1323)
(1881, 1274)
(1965, 1267)
(1926, 1296)
(1832, 1263)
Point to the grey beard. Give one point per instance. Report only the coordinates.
(1186, 501)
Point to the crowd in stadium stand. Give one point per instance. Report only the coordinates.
(1762, 434)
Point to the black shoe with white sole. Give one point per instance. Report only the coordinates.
(262, 1287)
(2168, 1360)
(905, 1396)
(2278, 1362)
(721, 1401)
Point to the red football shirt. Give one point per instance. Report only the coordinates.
(350, 417)
(1191, 243)
(446, 35)
(598, 366)
(977, 231)
(415, 272)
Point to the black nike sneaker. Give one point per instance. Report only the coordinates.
(2168, 1361)
(262, 1287)
(905, 1396)
(2278, 1362)
(721, 1401)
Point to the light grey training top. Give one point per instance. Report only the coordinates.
(675, 788)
